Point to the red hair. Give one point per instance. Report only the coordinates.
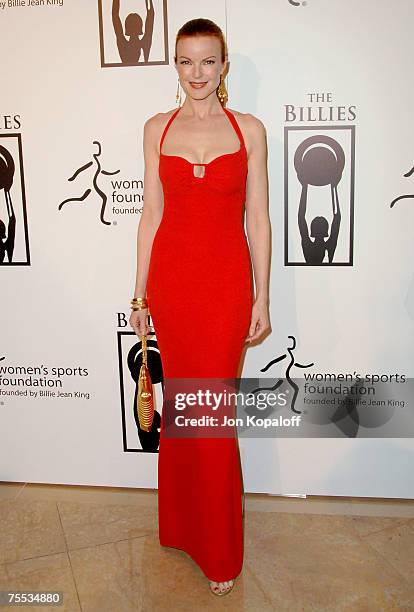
(202, 27)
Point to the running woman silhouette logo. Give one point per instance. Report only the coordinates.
(97, 188)
(292, 363)
(405, 196)
(14, 243)
(321, 174)
(133, 32)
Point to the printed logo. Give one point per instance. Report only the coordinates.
(405, 196)
(335, 404)
(29, 4)
(41, 381)
(122, 202)
(95, 185)
(291, 383)
(133, 32)
(14, 237)
(319, 195)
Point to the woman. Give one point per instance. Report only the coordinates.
(203, 164)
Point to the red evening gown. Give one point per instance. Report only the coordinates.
(200, 296)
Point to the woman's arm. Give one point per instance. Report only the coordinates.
(150, 217)
(258, 226)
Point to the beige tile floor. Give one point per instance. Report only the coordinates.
(100, 547)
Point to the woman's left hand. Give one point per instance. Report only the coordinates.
(260, 321)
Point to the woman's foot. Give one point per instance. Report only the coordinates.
(221, 588)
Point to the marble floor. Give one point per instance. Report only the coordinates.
(99, 546)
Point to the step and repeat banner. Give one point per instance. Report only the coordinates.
(331, 82)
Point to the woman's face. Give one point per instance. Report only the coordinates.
(199, 65)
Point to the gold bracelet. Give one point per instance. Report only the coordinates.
(139, 303)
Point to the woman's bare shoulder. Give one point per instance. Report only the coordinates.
(159, 119)
(250, 121)
(251, 126)
(154, 126)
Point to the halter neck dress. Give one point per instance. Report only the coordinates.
(200, 297)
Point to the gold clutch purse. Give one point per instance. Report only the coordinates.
(145, 395)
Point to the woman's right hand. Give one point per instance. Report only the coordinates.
(139, 321)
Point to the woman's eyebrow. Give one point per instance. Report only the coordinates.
(189, 58)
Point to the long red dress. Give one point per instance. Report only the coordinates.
(200, 296)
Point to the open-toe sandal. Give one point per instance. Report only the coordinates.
(216, 589)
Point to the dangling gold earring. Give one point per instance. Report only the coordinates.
(178, 94)
(222, 92)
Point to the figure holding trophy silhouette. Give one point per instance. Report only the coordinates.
(128, 39)
(6, 181)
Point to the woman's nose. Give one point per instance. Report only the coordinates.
(196, 71)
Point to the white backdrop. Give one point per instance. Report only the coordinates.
(66, 305)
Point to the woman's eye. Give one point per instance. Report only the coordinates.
(206, 61)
